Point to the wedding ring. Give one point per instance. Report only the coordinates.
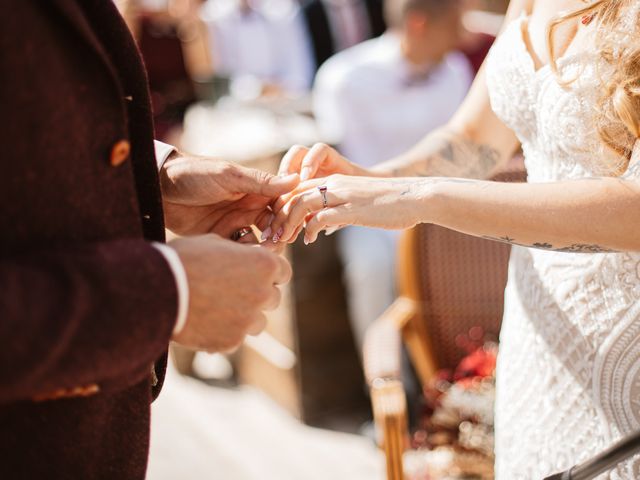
(323, 192)
(243, 232)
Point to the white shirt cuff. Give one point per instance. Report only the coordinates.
(175, 264)
(163, 151)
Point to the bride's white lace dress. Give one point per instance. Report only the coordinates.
(569, 365)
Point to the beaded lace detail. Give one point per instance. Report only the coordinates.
(569, 364)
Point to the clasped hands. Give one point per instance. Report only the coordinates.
(350, 195)
(232, 284)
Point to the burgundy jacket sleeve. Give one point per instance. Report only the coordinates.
(97, 313)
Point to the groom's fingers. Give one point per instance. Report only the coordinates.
(252, 181)
(235, 220)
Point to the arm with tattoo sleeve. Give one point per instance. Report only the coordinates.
(445, 153)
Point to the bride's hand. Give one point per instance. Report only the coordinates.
(372, 202)
(318, 161)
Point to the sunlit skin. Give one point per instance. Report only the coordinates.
(586, 215)
(231, 284)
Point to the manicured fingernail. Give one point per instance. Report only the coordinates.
(266, 234)
(278, 234)
(306, 240)
(330, 231)
(305, 173)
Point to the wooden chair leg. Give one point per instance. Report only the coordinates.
(418, 343)
(383, 368)
(382, 343)
(390, 413)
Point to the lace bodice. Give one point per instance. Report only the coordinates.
(569, 366)
(554, 123)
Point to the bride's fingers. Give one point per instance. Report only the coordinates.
(291, 162)
(294, 213)
(301, 227)
(296, 234)
(314, 158)
(263, 222)
(325, 219)
(332, 230)
(281, 201)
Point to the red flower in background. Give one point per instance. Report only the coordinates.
(479, 363)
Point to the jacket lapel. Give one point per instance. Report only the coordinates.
(72, 12)
(101, 27)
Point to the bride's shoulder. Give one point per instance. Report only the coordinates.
(517, 8)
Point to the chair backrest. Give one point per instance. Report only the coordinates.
(458, 281)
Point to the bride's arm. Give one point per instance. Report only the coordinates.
(587, 215)
(456, 150)
(590, 215)
(474, 144)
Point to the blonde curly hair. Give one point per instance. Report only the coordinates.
(618, 46)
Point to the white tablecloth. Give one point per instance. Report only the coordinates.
(201, 432)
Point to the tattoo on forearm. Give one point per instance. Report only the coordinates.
(409, 184)
(459, 157)
(573, 248)
(406, 191)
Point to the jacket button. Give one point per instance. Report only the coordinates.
(120, 152)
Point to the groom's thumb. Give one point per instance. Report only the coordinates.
(267, 185)
(252, 181)
(276, 185)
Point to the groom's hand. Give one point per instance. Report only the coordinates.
(205, 195)
(231, 285)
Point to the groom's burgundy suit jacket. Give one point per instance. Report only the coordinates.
(87, 305)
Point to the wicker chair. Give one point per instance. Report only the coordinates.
(448, 283)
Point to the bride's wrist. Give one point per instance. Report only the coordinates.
(427, 200)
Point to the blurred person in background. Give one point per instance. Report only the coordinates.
(91, 294)
(376, 100)
(334, 25)
(259, 41)
(172, 41)
(479, 32)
